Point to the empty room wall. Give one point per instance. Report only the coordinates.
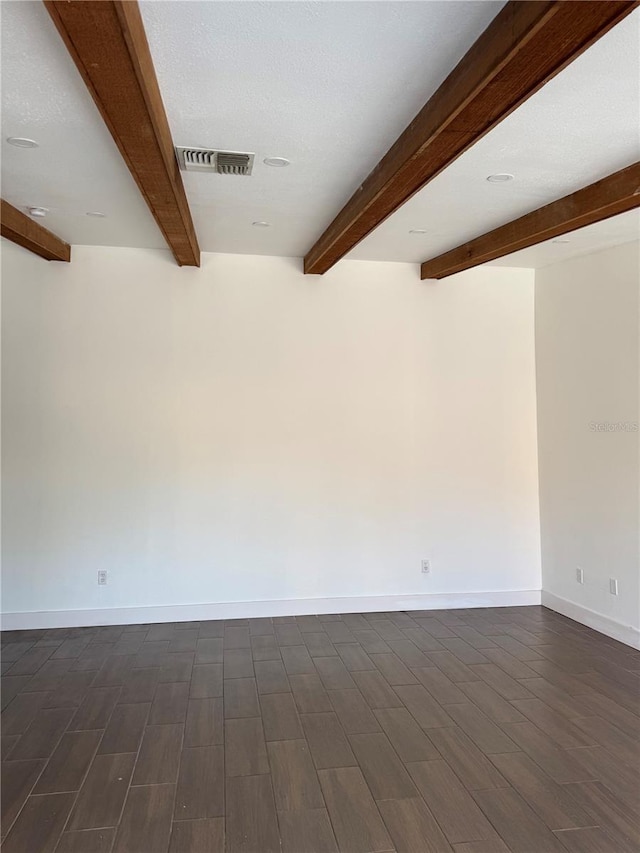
(587, 352)
(244, 433)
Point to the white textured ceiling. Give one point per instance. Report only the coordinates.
(329, 85)
(77, 167)
(624, 228)
(580, 127)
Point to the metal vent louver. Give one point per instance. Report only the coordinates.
(210, 160)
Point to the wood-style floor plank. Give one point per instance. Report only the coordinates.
(103, 792)
(159, 756)
(146, 820)
(469, 731)
(440, 686)
(518, 825)
(590, 840)
(412, 826)
(39, 824)
(42, 736)
(309, 694)
(452, 667)
(355, 716)
(245, 747)
(309, 829)
(355, 818)
(280, 717)
(319, 644)
(209, 650)
(18, 779)
(263, 647)
(427, 712)
(177, 666)
(295, 782)
(96, 709)
(371, 641)
(617, 819)
(597, 704)
(139, 685)
(393, 669)
(271, 677)
(470, 764)
(487, 736)
(551, 801)
(72, 690)
(20, 712)
(622, 780)
(67, 767)
(406, 736)
(458, 816)
(206, 681)
(492, 703)
(297, 660)
(86, 841)
(327, 740)
(376, 691)
(354, 656)
(251, 821)
(241, 698)
(558, 763)
(125, 729)
(333, 673)
(558, 727)
(625, 747)
(501, 681)
(200, 792)
(197, 836)
(385, 774)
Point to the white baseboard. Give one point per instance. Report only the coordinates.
(251, 609)
(598, 621)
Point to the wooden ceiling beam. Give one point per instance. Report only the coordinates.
(526, 45)
(615, 194)
(19, 228)
(107, 42)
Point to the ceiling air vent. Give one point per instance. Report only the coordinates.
(210, 160)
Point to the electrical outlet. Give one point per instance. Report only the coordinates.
(613, 586)
(579, 574)
(426, 567)
(102, 577)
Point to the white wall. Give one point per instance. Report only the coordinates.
(587, 350)
(242, 432)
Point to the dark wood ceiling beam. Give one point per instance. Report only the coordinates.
(615, 194)
(19, 228)
(107, 42)
(526, 45)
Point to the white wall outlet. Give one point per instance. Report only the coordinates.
(579, 574)
(425, 567)
(102, 577)
(613, 586)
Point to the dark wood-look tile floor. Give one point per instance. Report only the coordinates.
(467, 731)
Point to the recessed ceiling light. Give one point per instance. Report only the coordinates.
(261, 224)
(500, 178)
(21, 142)
(418, 231)
(276, 161)
(38, 212)
(96, 214)
(560, 240)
